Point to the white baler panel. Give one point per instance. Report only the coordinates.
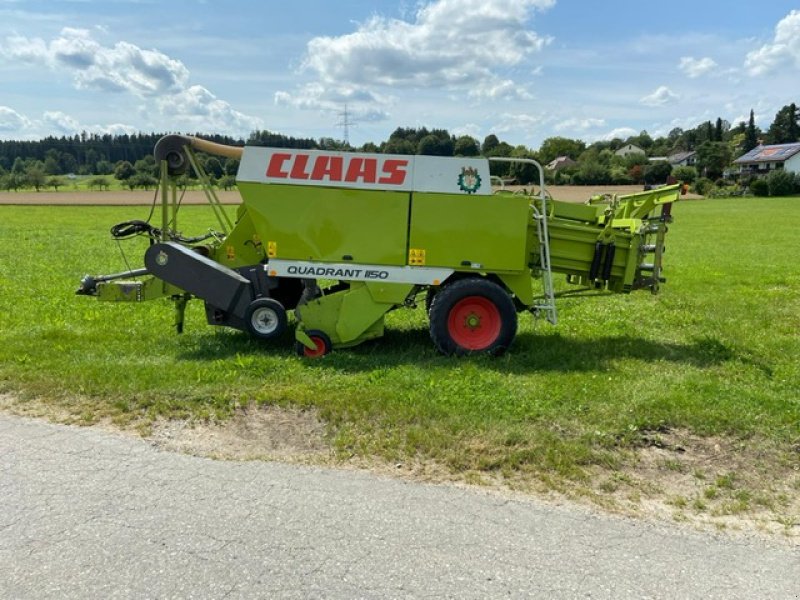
(365, 171)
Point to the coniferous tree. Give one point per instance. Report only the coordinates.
(750, 134)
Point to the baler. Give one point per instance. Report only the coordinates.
(342, 238)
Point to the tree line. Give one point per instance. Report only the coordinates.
(128, 158)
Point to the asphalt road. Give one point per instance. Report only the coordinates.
(88, 514)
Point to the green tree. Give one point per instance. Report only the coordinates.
(785, 128)
(103, 167)
(780, 183)
(146, 166)
(124, 170)
(213, 167)
(466, 146)
(524, 173)
(490, 142)
(592, 172)
(686, 174)
(499, 168)
(99, 182)
(554, 147)
(231, 166)
(750, 134)
(399, 146)
(35, 175)
(51, 166)
(712, 158)
(55, 182)
(428, 145)
(657, 172)
(142, 180)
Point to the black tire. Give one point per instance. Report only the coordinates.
(265, 319)
(429, 296)
(321, 339)
(473, 316)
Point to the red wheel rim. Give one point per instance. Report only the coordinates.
(316, 352)
(474, 323)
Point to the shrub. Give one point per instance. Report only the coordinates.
(685, 174)
(619, 176)
(759, 187)
(99, 182)
(702, 186)
(781, 183)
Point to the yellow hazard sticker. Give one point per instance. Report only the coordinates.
(272, 249)
(230, 252)
(416, 257)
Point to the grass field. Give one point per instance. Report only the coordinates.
(627, 394)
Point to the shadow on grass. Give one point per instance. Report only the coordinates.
(530, 352)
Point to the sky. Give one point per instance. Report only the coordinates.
(524, 70)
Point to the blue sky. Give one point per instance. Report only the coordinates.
(522, 69)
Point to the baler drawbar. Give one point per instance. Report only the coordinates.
(342, 238)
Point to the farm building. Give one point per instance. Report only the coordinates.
(761, 160)
(628, 149)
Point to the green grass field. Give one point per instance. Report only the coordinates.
(717, 354)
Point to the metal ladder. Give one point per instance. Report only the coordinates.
(547, 305)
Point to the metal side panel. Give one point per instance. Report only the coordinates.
(329, 224)
(480, 233)
(200, 276)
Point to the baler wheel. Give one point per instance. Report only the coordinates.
(322, 342)
(265, 318)
(473, 316)
(429, 296)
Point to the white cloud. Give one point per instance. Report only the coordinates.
(783, 50)
(19, 126)
(61, 122)
(11, 120)
(497, 89)
(660, 97)
(695, 67)
(125, 67)
(451, 42)
(113, 129)
(470, 129)
(621, 133)
(530, 125)
(362, 105)
(199, 109)
(579, 125)
(122, 67)
(459, 45)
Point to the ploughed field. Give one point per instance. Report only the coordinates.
(569, 193)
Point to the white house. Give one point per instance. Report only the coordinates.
(764, 159)
(628, 149)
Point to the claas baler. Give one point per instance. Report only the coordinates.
(341, 238)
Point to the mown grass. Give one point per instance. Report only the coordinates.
(717, 353)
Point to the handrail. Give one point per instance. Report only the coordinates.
(549, 306)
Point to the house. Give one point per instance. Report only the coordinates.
(562, 162)
(761, 160)
(682, 159)
(629, 149)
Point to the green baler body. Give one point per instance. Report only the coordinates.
(389, 226)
